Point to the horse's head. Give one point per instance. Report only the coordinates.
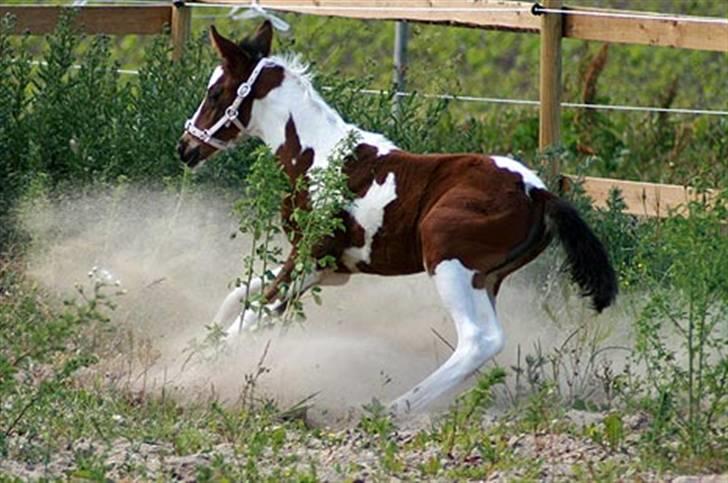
(234, 85)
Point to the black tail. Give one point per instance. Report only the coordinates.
(587, 258)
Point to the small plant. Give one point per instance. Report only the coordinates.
(377, 423)
(613, 430)
(688, 303)
(259, 213)
(328, 195)
(610, 432)
(542, 409)
(578, 370)
(469, 407)
(210, 348)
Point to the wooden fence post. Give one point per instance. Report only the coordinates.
(550, 79)
(400, 61)
(181, 27)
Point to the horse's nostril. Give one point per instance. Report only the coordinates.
(181, 148)
(189, 156)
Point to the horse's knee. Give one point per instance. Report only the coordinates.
(482, 347)
(495, 343)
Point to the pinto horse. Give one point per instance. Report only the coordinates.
(468, 220)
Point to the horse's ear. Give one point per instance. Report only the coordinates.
(227, 49)
(263, 38)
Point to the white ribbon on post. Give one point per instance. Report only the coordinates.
(254, 11)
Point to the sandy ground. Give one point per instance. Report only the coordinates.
(372, 338)
(175, 257)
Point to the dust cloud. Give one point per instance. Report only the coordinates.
(176, 257)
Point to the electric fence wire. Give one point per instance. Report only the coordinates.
(536, 9)
(500, 100)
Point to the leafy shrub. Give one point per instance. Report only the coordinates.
(70, 116)
(687, 304)
(42, 348)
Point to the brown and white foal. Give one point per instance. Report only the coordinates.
(469, 220)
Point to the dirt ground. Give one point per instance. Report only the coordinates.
(372, 338)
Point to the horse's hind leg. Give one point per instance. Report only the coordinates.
(480, 336)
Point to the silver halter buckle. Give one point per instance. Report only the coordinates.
(231, 113)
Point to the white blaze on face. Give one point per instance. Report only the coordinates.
(368, 211)
(216, 74)
(530, 180)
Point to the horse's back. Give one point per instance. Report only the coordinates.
(428, 207)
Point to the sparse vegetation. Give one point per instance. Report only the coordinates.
(662, 413)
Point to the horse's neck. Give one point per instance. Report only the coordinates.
(317, 126)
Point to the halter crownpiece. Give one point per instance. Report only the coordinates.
(207, 136)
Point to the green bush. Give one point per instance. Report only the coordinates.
(682, 332)
(72, 118)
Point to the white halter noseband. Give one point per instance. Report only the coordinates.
(231, 113)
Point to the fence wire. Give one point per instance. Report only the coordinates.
(535, 9)
(499, 100)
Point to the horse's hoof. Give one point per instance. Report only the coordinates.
(399, 408)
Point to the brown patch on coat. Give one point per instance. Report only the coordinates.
(454, 206)
(295, 160)
(269, 79)
(448, 206)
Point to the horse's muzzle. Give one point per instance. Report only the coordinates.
(188, 155)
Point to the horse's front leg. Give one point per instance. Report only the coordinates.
(230, 308)
(274, 299)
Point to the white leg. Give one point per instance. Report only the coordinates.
(480, 336)
(250, 318)
(232, 304)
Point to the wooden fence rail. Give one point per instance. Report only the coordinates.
(614, 26)
(113, 20)
(681, 31)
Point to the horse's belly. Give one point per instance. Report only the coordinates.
(381, 235)
(392, 253)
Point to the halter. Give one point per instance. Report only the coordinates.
(231, 113)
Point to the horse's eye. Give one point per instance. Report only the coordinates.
(215, 93)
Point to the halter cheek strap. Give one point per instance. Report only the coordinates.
(231, 113)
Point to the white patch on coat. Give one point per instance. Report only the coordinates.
(530, 179)
(318, 126)
(216, 74)
(368, 211)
